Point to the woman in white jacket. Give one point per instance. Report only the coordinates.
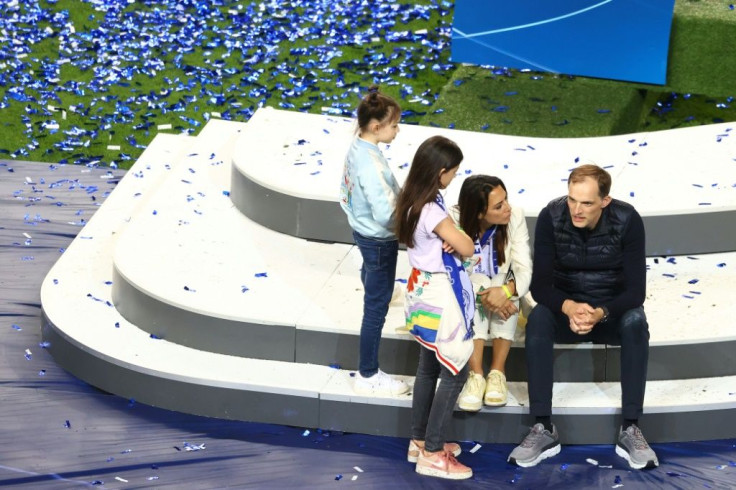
(501, 271)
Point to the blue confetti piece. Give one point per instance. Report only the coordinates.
(631, 194)
(521, 191)
(485, 127)
(338, 477)
(45, 344)
(155, 212)
(604, 111)
(693, 281)
(155, 337)
(244, 289)
(261, 274)
(226, 193)
(17, 327)
(617, 480)
(402, 281)
(315, 172)
(117, 324)
(335, 365)
(577, 159)
(300, 163)
(67, 424)
(668, 275)
(564, 466)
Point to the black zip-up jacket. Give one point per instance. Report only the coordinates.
(605, 266)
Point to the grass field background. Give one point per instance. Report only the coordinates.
(93, 81)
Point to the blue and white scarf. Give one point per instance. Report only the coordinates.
(460, 282)
(484, 248)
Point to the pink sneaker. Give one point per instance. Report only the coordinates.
(416, 446)
(442, 465)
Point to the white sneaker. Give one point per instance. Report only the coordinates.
(496, 390)
(471, 398)
(379, 384)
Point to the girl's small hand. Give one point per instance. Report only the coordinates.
(447, 247)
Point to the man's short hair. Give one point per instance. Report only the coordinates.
(595, 172)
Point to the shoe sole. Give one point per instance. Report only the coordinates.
(637, 466)
(494, 403)
(427, 471)
(470, 407)
(547, 453)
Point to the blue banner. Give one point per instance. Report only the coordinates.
(617, 39)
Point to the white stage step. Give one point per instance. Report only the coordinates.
(176, 241)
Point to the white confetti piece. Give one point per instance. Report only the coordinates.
(121, 479)
(358, 469)
(592, 461)
(113, 147)
(355, 477)
(164, 126)
(475, 448)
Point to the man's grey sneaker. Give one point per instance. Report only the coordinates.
(539, 444)
(634, 448)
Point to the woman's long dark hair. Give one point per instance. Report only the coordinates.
(423, 182)
(473, 202)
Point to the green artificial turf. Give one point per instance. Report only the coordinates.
(536, 104)
(77, 114)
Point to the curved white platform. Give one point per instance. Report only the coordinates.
(233, 320)
(677, 179)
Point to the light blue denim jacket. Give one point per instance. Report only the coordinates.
(368, 191)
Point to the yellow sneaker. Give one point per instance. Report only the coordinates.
(496, 390)
(471, 398)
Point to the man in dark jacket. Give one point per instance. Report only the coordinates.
(589, 280)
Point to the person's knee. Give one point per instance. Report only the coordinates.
(540, 327)
(634, 326)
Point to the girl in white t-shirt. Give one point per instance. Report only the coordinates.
(439, 307)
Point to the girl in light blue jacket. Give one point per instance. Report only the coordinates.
(368, 195)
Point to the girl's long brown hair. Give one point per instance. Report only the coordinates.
(473, 201)
(423, 182)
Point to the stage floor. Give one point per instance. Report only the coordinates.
(59, 432)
